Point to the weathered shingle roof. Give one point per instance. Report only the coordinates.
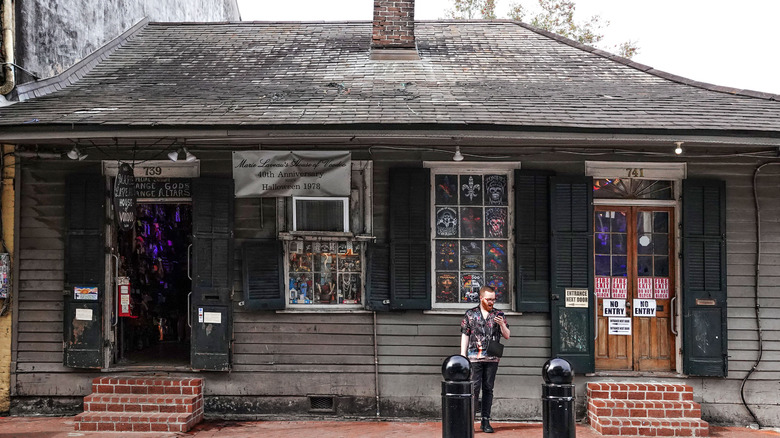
(499, 74)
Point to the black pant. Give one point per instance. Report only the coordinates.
(483, 374)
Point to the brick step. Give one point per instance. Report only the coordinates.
(640, 391)
(644, 408)
(650, 426)
(147, 385)
(135, 422)
(154, 403)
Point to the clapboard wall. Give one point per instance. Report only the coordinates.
(280, 358)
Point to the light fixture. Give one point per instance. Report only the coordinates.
(174, 155)
(75, 154)
(458, 156)
(678, 149)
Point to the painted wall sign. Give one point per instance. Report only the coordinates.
(644, 307)
(620, 326)
(85, 293)
(260, 174)
(162, 188)
(614, 308)
(124, 197)
(576, 298)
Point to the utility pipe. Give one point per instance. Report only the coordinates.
(8, 47)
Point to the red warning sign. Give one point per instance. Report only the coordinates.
(661, 288)
(645, 287)
(602, 287)
(619, 287)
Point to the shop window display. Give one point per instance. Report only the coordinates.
(326, 273)
(471, 236)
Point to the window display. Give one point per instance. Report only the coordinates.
(471, 236)
(324, 272)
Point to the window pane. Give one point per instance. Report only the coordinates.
(471, 189)
(469, 287)
(446, 189)
(325, 288)
(446, 255)
(603, 219)
(618, 222)
(349, 263)
(471, 222)
(300, 262)
(349, 288)
(661, 222)
(643, 222)
(499, 281)
(661, 244)
(495, 218)
(471, 255)
(645, 244)
(661, 266)
(447, 287)
(619, 244)
(644, 266)
(446, 222)
(619, 266)
(495, 255)
(325, 272)
(495, 190)
(602, 243)
(300, 288)
(603, 266)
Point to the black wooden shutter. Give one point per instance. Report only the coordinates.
(378, 284)
(212, 223)
(532, 240)
(263, 275)
(705, 336)
(410, 245)
(84, 267)
(571, 223)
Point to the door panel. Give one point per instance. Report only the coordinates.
(633, 259)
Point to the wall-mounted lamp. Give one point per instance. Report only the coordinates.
(181, 152)
(457, 156)
(678, 149)
(75, 154)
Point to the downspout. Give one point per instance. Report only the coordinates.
(8, 47)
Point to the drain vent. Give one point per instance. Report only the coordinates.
(322, 403)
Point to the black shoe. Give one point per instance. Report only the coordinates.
(486, 426)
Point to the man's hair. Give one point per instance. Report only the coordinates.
(484, 289)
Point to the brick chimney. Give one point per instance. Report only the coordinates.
(393, 32)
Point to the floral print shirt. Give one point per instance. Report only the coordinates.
(479, 331)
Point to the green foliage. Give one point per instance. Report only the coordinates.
(556, 16)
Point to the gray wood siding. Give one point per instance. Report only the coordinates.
(289, 354)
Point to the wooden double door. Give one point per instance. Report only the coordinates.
(634, 268)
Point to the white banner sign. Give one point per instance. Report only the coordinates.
(259, 174)
(620, 326)
(644, 307)
(614, 307)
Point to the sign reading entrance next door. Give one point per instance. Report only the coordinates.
(614, 307)
(576, 298)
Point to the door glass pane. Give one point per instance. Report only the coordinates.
(619, 244)
(660, 244)
(644, 266)
(661, 266)
(618, 222)
(602, 243)
(643, 222)
(644, 244)
(603, 266)
(661, 222)
(619, 266)
(603, 219)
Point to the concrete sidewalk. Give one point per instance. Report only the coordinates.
(62, 427)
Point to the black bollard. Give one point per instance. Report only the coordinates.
(558, 400)
(457, 404)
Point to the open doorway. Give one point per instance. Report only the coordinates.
(153, 256)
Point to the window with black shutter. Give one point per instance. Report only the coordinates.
(532, 240)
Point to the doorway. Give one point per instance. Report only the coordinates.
(153, 258)
(634, 268)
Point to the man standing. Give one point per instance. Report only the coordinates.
(476, 329)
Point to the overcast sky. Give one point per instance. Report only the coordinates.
(730, 43)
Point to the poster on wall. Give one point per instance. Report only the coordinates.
(263, 174)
